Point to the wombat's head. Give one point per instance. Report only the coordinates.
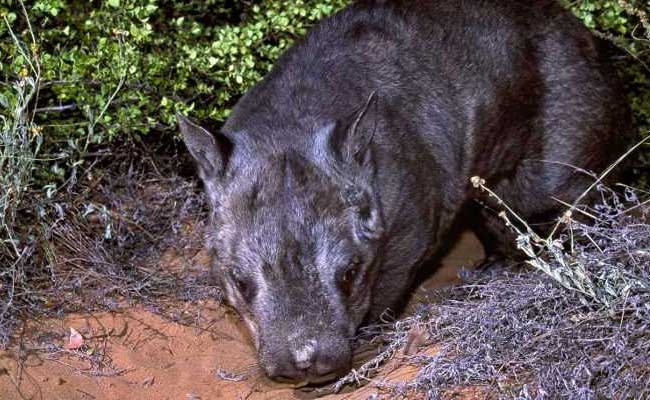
(294, 235)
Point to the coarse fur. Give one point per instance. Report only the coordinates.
(344, 170)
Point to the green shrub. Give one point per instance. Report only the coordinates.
(198, 55)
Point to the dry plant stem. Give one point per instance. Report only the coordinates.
(16, 140)
(641, 14)
(599, 180)
(479, 183)
(570, 274)
(94, 121)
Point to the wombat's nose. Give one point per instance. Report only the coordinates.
(319, 359)
(303, 357)
(310, 360)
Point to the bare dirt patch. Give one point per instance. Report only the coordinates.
(135, 353)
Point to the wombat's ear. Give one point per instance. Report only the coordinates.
(211, 152)
(349, 144)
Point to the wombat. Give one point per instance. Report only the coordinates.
(338, 175)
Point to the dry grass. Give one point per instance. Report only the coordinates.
(102, 248)
(20, 142)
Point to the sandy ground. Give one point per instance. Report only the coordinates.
(137, 354)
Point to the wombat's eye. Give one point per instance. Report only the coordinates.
(244, 287)
(350, 275)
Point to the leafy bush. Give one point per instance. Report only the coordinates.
(165, 55)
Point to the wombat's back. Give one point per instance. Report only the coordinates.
(514, 91)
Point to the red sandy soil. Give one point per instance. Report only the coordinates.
(137, 354)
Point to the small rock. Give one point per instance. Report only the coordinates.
(75, 341)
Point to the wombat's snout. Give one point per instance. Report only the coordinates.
(311, 360)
